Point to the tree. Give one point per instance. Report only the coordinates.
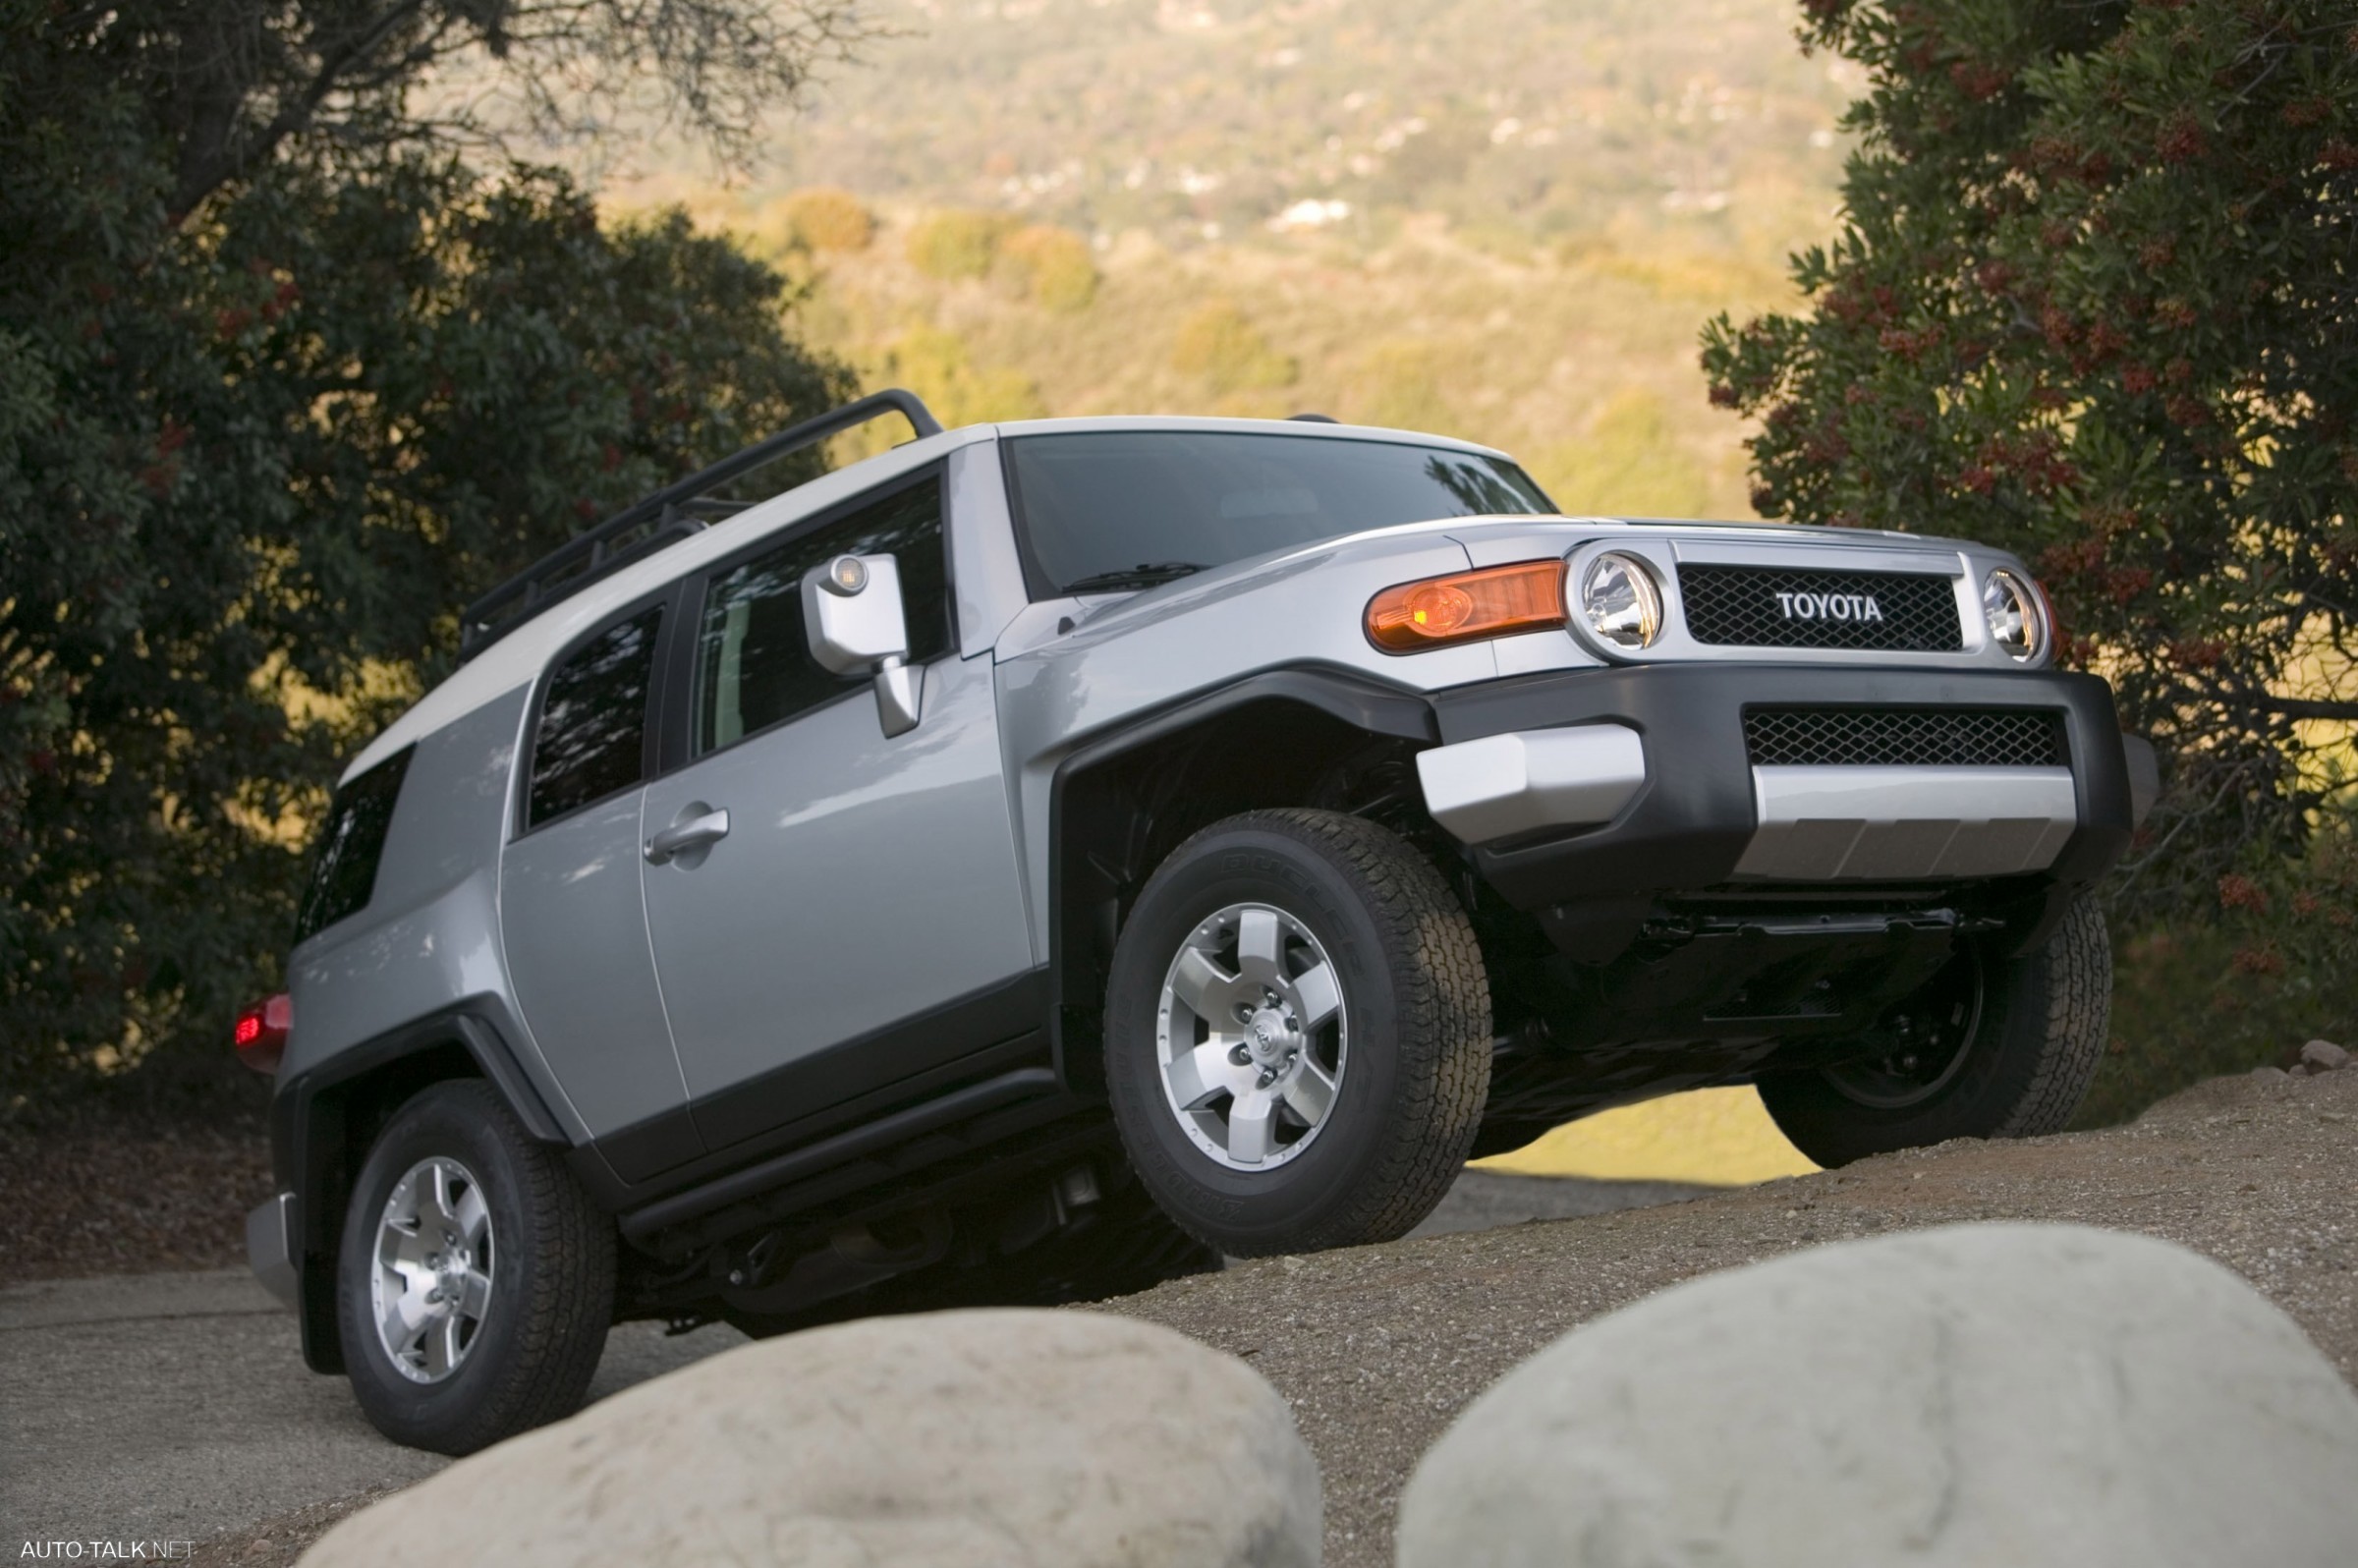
(235, 85)
(255, 455)
(2094, 300)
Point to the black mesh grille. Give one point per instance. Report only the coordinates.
(1765, 606)
(1903, 737)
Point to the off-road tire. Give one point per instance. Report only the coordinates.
(552, 1296)
(1418, 1005)
(2034, 1051)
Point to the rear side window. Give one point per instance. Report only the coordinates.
(343, 868)
(592, 740)
(753, 659)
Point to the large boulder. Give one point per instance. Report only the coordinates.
(2024, 1395)
(973, 1438)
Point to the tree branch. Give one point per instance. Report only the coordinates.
(2295, 708)
(203, 172)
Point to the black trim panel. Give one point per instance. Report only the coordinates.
(1029, 1083)
(996, 1029)
(311, 1156)
(1688, 825)
(648, 1148)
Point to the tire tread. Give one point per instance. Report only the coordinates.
(1443, 1021)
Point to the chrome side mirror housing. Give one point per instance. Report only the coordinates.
(853, 614)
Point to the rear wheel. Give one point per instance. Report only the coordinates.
(476, 1280)
(1297, 1034)
(1989, 1048)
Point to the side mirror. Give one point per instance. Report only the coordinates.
(853, 614)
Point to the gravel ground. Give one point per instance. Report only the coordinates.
(1378, 1347)
(173, 1406)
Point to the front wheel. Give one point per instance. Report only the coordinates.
(1297, 1034)
(1989, 1048)
(476, 1280)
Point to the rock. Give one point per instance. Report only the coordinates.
(2270, 1073)
(2024, 1394)
(976, 1438)
(2323, 1056)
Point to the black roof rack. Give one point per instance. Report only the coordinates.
(666, 516)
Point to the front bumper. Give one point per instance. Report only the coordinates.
(1685, 809)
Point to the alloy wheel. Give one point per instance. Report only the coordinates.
(1253, 1036)
(433, 1276)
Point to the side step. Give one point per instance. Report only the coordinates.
(1029, 1082)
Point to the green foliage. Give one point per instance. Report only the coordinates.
(2271, 962)
(958, 244)
(1221, 344)
(1050, 266)
(251, 463)
(2093, 301)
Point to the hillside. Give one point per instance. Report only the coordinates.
(1496, 218)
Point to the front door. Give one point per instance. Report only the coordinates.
(860, 918)
(571, 912)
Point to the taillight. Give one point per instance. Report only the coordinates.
(1496, 602)
(262, 1033)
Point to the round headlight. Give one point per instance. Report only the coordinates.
(1619, 601)
(2017, 620)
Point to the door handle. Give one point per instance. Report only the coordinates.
(694, 834)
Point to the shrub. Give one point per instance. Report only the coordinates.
(825, 218)
(1398, 384)
(2091, 301)
(1628, 463)
(958, 244)
(1218, 343)
(1052, 266)
(2273, 964)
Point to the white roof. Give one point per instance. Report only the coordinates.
(516, 658)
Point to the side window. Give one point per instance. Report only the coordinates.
(752, 662)
(592, 733)
(344, 872)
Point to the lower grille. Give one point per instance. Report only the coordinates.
(1760, 607)
(1903, 737)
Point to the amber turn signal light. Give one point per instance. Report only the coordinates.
(1464, 606)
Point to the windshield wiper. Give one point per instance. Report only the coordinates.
(1143, 576)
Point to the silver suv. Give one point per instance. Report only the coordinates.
(1044, 858)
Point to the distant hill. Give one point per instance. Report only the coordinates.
(1501, 218)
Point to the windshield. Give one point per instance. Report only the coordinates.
(1100, 511)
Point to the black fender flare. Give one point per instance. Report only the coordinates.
(312, 1132)
(1373, 708)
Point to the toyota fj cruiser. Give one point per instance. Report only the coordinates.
(1039, 860)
